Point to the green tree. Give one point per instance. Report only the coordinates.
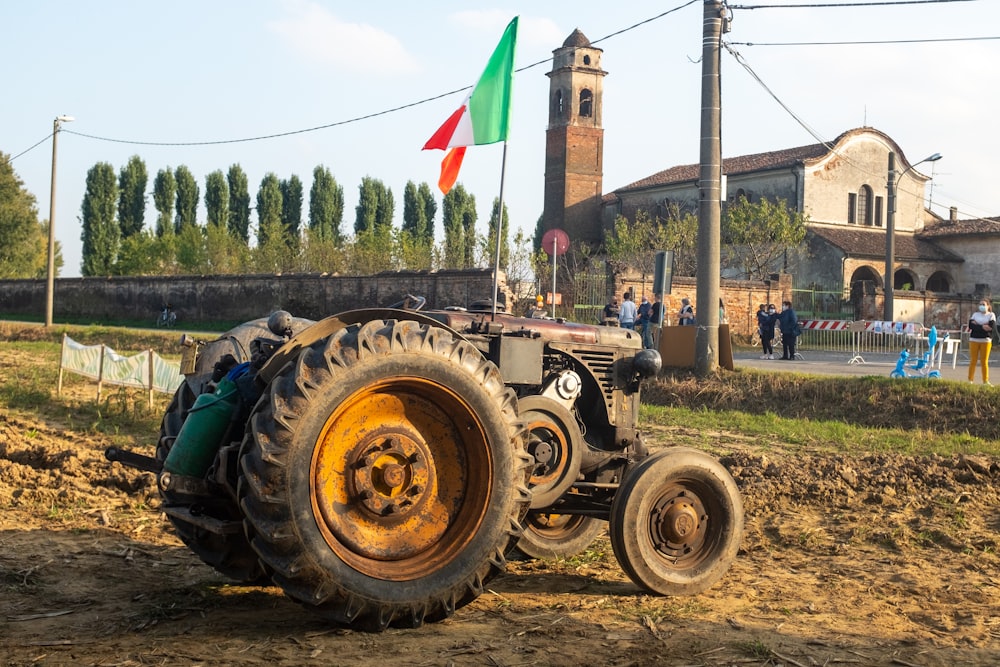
(132, 181)
(269, 206)
(414, 211)
(326, 206)
(239, 203)
(375, 206)
(217, 200)
(291, 210)
(164, 195)
(101, 234)
(192, 251)
(757, 235)
(454, 214)
(680, 234)
(631, 246)
(187, 199)
(490, 243)
(146, 254)
(469, 218)
(426, 195)
(23, 240)
(224, 253)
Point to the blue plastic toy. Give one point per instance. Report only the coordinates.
(921, 367)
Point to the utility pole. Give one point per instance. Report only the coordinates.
(890, 243)
(709, 193)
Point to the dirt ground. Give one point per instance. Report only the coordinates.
(879, 560)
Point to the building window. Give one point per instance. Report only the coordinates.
(852, 208)
(938, 282)
(586, 103)
(878, 211)
(586, 60)
(865, 206)
(557, 104)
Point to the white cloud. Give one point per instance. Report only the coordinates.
(325, 39)
(533, 31)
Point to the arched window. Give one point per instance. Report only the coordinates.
(865, 206)
(904, 279)
(557, 104)
(586, 60)
(938, 282)
(586, 103)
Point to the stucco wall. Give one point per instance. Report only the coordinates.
(238, 298)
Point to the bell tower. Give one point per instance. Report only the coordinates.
(574, 141)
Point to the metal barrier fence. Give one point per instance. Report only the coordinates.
(867, 342)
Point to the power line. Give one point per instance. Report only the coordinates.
(366, 116)
(28, 150)
(827, 5)
(855, 43)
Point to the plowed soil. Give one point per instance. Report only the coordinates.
(869, 560)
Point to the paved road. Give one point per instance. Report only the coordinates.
(836, 363)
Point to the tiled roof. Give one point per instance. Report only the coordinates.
(870, 242)
(732, 166)
(971, 227)
(744, 164)
(577, 38)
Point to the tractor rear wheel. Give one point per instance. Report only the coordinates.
(384, 475)
(676, 522)
(229, 553)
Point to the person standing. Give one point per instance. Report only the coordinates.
(685, 317)
(656, 315)
(981, 326)
(788, 323)
(626, 314)
(643, 313)
(762, 320)
(610, 313)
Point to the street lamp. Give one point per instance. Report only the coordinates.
(890, 231)
(50, 278)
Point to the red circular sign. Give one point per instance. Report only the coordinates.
(555, 242)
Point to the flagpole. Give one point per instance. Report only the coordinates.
(496, 265)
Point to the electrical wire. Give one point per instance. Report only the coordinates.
(829, 5)
(29, 149)
(366, 116)
(861, 43)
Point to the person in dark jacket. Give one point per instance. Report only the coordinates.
(788, 323)
(763, 321)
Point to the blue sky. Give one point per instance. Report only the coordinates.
(190, 71)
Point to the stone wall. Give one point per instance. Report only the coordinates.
(238, 298)
(741, 298)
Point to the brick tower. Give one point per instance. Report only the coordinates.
(574, 141)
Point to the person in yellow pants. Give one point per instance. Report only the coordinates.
(981, 326)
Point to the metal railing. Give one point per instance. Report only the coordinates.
(866, 342)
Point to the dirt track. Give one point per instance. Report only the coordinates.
(870, 561)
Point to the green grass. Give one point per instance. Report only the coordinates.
(702, 426)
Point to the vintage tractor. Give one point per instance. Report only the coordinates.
(379, 465)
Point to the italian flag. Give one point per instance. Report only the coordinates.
(484, 117)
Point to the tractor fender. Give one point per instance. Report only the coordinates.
(330, 325)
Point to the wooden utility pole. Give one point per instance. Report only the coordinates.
(709, 193)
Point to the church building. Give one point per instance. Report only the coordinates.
(842, 186)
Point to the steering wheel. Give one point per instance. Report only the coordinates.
(410, 302)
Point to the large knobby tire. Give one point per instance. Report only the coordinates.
(558, 535)
(231, 553)
(384, 475)
(676, 522)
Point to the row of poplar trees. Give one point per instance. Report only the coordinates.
(117, 240)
